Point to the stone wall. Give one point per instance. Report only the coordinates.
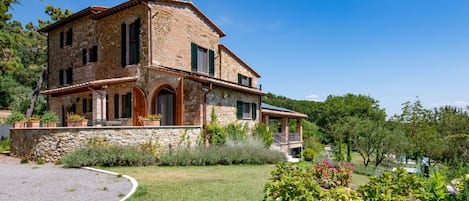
(174, 28)
(224, 102)
(230, 68)
(52, 144)
(109, 53)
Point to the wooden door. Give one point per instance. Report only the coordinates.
(139, 106)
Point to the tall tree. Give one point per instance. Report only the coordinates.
(419, 128)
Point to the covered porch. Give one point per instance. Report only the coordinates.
(288, 140)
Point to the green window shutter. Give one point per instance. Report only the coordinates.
(91, 104)
(116, 106)
(83, 51)
(69, 74)
(194, 56)
(69, 36)
(61, 77)
(94, 54)
(84, 106)
(123, 44)
(240, 78)
(137, 39)
(254, 111)
(250, 82)
(211, 63)
(128, 105)
(61, 39)
(239, 109)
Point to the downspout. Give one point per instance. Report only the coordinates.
(204, 118)
(150, 35)
(150, 48)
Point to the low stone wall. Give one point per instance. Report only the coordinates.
(52, 144)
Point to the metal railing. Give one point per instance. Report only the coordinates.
(279, 138)
(294, 137)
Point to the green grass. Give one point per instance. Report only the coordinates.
(236, 182)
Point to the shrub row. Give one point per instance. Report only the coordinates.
(107, 156)
(98, 153)
(222, 155)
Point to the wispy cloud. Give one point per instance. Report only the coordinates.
(314, 97)
(460, 104)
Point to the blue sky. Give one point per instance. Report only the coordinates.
(391, 50)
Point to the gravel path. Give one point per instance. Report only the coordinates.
(32, 182)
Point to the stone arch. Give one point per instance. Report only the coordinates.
(163, 102)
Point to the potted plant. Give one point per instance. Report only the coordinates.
(151, 120)
(16, 119)
(75, 120)
(33, 122)
(50, 119)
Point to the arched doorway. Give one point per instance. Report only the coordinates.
(165, 104)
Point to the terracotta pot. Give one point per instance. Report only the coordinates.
(50, 125)
(18, 124)
(151, 122)
(74, 124)
(84, 122)
(33, 124)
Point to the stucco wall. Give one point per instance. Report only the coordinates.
(52, 144)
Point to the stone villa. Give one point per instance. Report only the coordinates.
(113, 65)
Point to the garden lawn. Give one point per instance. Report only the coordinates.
(236, 182)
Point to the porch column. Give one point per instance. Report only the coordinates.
(99, 107)
(284, 129)
(299, 128)
(266, 120)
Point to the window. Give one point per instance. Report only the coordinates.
(244, 80)
(116, 106)
(126, 105)
(92, 56)
(130, 43)
(246, 110)
(66, 76)
(202, 59)
(66, 38)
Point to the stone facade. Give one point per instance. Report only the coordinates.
(52, 144)
(167, 31)
(224, 102)
(231, 68)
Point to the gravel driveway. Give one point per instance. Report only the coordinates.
(31, 182)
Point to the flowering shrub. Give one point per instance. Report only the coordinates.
(291, 182)
(329, 176)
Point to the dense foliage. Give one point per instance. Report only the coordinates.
(23, 58)
(302, 182)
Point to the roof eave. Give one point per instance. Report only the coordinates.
(73, 17)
